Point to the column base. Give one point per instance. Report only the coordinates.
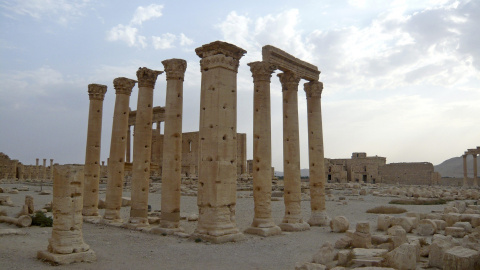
(112, 222)
(234, 237)
(92, 219)
(275, 230)
(319, 218)
(86, 256)
(137, 223)
(166, 231)
(294, 227)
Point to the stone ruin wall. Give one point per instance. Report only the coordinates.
(419, 173)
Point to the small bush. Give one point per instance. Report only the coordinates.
(385, 209)
(39, 219)
(198, 240)
(419, 202)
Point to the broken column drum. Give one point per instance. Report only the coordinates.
(142, 145)
(66, 244)
(96, 93)
(292, 220)
(318, 216)
(263, 223)
(218, 143)
(116, 163)
(172, 144)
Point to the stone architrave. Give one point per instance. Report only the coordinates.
(218, 143)
(313, 92)
(116, 163)
(263, 223)
(96, 93)
(66, 244)
(44, 170)
(465, 170)
(142, 147)
(51, 169)
(292, 221)
(172, 146)
(475, 177)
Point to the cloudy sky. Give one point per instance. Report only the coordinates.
(401, 78)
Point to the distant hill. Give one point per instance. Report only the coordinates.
(454, 167)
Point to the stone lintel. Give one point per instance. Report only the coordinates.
(287, 62)
(220, 47)
(158, 115)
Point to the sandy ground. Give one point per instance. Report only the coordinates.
(118, 248)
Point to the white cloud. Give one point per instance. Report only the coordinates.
(127, 34)
(146, 13)
(164, 42)
(61, 11)
(184, 40)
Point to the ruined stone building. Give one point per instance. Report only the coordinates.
(374, 169)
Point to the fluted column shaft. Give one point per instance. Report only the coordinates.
(218, 144)
(116, 163)
(172, 143)
(292, 220)
(464, 170)
(313, 92)
(96, 94)
(142, 146)
(263, 223)
(129, 146)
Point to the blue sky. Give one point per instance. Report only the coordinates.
(401, 78)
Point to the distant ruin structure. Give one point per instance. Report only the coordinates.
(474, 153)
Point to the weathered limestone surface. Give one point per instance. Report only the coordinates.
(339, 224)
(172, 145)
(116, 163)
(316, 155)
(142, 143)
(66, 244)
(263, 223)
(96, 93)
(218, 146)
(292, 221)
(460, 258)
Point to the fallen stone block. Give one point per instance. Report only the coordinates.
(22, 221)
(343, 242)
(460, 258)
(5, 200)
(326, 255)
(441, 224)
(403, 257)
(426, 227)
(465, 225)
(309, 266)
(384, 222)
(339, 224)
(440, 244)
(456, 232)
(398, 235)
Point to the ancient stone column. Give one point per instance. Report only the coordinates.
(292, 220)
(263, 223)
(96, 93)
(318, 216)
(464, 170)
(172, 146)
(51, 169)
(142, 147)
(475, 178)
(66, 244)
(21, 172)
(129, 136)
(116, 163)
(217, 173)
(37, 170)
(44, 170)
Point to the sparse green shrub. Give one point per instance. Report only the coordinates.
(39, 219)
(198, 240)
(419, 202)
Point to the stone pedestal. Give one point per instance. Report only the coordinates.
(142, 147)
(263, 223)
(96, 93)
(66, 244)
(292, 220)
(218, 144)
(172, 146)
(116, 163)
(318, 216)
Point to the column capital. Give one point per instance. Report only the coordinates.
(219, 54)
(289, 81)
(97, 91)
(175, 68)
(147, 77)
(313, 89)
(261, 70)
(123, 85)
